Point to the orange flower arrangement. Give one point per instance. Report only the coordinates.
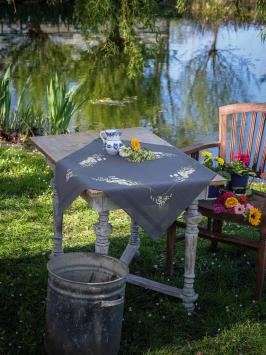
(135, 144)
(231, 202)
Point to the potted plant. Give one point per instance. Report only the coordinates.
(217, 165)
(240, 172)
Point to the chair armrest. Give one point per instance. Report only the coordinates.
(198, 147)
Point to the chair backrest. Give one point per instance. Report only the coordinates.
(242, 129)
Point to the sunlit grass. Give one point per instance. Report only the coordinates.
(226, 319)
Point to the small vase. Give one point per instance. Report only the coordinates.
(213, 192)
(238, 183)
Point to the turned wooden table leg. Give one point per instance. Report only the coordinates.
(133, 245)
(102, 229)
(58, 223)
(192, 217)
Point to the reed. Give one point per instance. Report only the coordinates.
(5, 100)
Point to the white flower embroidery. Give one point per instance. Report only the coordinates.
(160, 200)
(159, 155)
(69, 174)
(91, 160)
(182, 174)
(116, 180)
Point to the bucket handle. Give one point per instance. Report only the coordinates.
(112, 303)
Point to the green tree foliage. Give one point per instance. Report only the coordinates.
(117, 20)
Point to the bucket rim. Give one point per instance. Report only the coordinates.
(88, 283)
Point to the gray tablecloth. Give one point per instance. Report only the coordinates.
(153, 192)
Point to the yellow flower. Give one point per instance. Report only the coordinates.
(254, 216)
(231, 202)
(206, 154)
(135, 144)
(220, 161)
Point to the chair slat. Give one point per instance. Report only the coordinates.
(258, 141)
(222, 134)
(263, 158)
(242, 131)
(251, 131)
(233, 135)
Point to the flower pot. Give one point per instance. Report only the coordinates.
(238, 183)
(213, 191)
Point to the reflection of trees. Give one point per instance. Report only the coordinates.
(212, 78)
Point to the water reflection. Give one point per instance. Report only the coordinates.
(191, 74)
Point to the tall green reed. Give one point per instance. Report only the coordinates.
(61, 105)
(5, 100)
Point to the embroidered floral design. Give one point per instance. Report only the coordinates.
(116, 180)
(182, 174)
(91, 160)
(160, 200)
(69, 174)
(159, 155)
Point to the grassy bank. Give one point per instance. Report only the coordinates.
(226, 319)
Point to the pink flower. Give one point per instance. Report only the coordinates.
(249, 206)
(239, 209)
(230, 210)
(218, 209)
(245, 159)
(237, 156)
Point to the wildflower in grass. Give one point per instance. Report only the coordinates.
(254, 216)
(206, 154)
(135, 144)
(239, 209)
(231, 202)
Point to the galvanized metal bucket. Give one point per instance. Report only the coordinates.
(85, 300)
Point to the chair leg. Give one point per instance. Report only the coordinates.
(217, 227)
(171, 236)
(260, 268)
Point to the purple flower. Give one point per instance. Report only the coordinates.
(218, 208)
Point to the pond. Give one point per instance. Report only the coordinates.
(195, 71)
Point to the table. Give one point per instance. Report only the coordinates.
(57, 147)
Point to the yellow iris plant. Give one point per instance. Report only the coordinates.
(206, 154)
(219, 160)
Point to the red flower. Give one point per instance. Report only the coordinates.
(245, 158)
(222, 198)
(243, 199)
(237, 156)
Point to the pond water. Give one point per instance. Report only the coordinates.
(194, 72)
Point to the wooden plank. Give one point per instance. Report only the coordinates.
(242, 131)
(155, 286)
(222, 134)
(57, 147)
(259, 138)
(243, 107)
(251, 132)
(233, 136)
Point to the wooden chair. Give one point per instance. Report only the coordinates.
(242, 129)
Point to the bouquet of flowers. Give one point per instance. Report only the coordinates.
(135, 153)
(216, 164)
(240, 165)
(230, 203)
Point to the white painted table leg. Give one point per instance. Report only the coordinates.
(102, 229)
(132, 248)
(58, 223)
(192, 218)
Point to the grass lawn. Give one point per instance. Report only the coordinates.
(226, 319)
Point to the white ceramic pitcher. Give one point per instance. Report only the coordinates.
(111, 140)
